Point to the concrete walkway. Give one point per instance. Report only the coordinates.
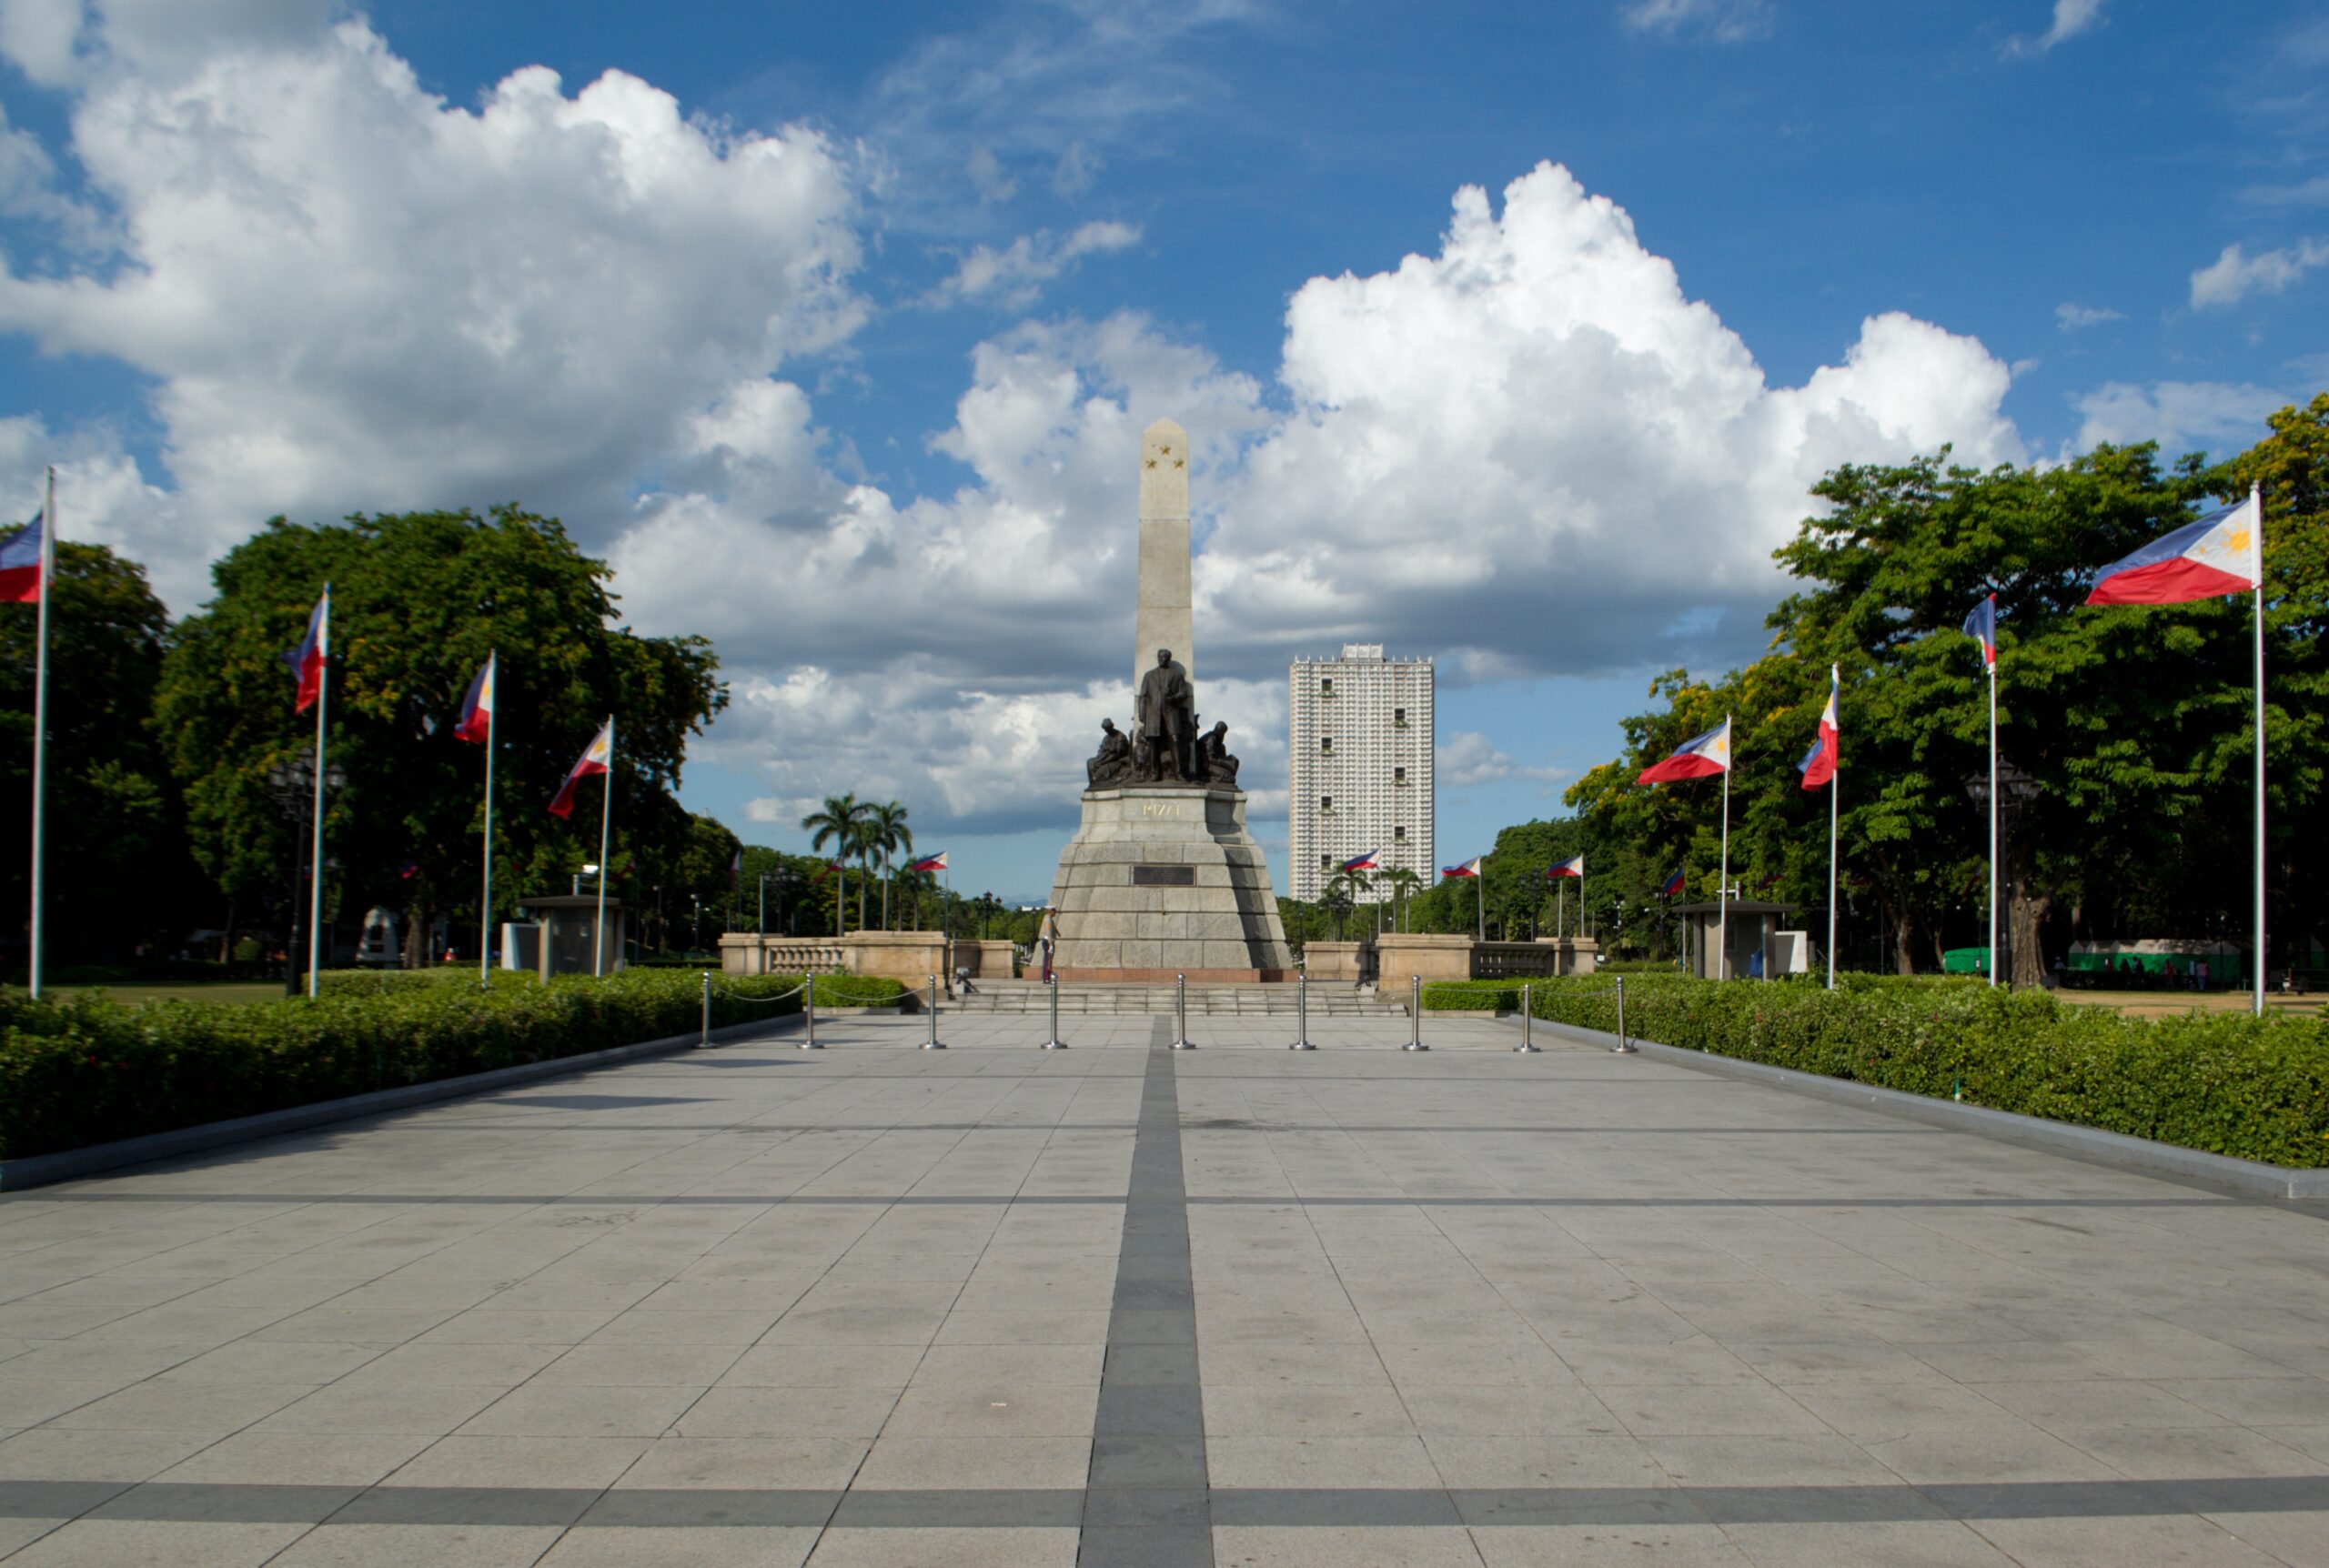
(1123, 1305)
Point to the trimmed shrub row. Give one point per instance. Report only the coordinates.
(87, 1070)
(2256, 1089)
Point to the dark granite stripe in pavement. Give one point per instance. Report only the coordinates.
(1146, 1499)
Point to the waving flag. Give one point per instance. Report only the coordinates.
(1982, 626)
(1572, 867)
(308, 660)
(1673, 888)
(20, 562)
(2221, 553)
(1468, 868)
(1766, 881)
(1818, 764)
(1365, 862)
(827, 869)
(477, 708)
(598, 758)
(930, 863)
(1700, 757)
(736, 870)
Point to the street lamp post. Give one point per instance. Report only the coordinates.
(293, 785)
(2015, 791)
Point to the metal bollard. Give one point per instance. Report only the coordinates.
(931, 1043)
(704, 1038)
(1055, 1043)
(1414, 1014)
(1623, 1044)
(809, 996)
(1526, 1043)
(1180, 1040)
(1301, 1012)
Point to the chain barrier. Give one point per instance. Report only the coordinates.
(1625, 1046)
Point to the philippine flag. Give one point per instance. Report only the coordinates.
(1572, 867)
(1982, 626)
(308, 660)
(1365, 862)
(1673, 888)
(1700, 756)
(1468, 868)
(20, 562)
(736, 870)
(597, 758)
(477, 708)
(1818, 764)
(2221, 553)
(930, 863)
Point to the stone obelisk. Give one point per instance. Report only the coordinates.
(1162, 880)
(1162, 617)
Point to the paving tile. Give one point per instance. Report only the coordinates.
(478, 1461)
(111, 1543)
(912, 1548)
(579, 1410)
(1447, 1546)
(418, 1546)
(1605, 1547)
(742, 1411)
(750, 1463)
(915, 1464)
(725, 1546)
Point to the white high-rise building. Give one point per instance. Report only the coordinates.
(1359, 766)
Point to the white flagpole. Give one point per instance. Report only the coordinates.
(485, 899)
(606, 821)
(2256, 499)
(1480, 896)
(1993, 808)
(38, 947)
(1835, 782)
(1723, 892)
(316, 856)
(1560, 906)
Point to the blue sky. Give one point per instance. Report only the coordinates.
(1507, 335)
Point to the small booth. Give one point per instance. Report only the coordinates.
(1757, 944)
(561, 937)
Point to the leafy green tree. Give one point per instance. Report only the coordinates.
(120, 874)
(2132, 721)
(418, 600)
(840, 822)
(888, 836)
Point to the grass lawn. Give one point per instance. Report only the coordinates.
(131, 993)
(2168, 1003)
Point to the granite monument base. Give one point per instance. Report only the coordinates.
(1162, 880)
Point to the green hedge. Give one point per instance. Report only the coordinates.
(87, 1070)
(2226, 1083)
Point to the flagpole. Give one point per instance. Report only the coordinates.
(1480, 898)
(1993, 811)
(1835, 782)
(2256, 495)
(606, 821)
(316, 855)
(1722, 890)
(37, 948)
(485, 899)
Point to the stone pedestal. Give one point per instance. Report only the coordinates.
(1161, 882)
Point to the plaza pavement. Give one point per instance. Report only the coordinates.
(876, 1305)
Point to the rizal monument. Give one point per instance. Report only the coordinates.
(1162, 879)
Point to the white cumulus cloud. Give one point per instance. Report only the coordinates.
(2236, 274)
(351, 294)
(1723, 21)
(2181, 415)
(2071, 17)
(1013, 276)
(2071, 317)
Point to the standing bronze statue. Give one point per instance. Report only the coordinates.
(1168, 721)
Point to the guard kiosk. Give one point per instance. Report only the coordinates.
(563, 922)
(1751, 924)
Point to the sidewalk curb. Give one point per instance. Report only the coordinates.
(2249, 1177)
(67, 1164)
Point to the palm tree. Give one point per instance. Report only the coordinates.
(840, 822)
(1403, 882)
(889, 837)
(1339, 896)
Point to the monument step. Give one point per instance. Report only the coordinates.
(1089, 999)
